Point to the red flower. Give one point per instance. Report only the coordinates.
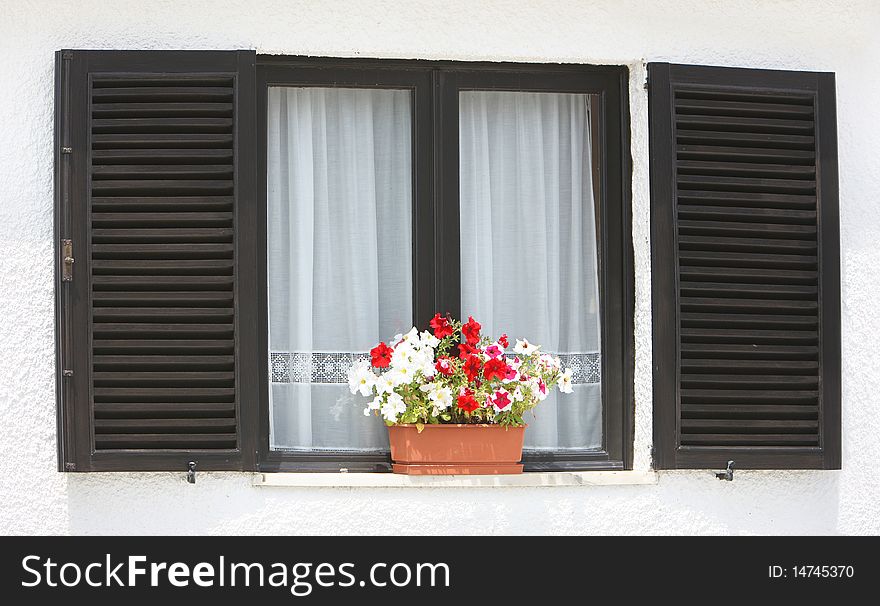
(495, 368)
(503, 341)
(467, 402)
(500, 400)
(440, 326)
(381, 355)
(472, 367)
(471, 331)
(464, 350)
(444, 365)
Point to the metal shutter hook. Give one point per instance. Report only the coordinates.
(727, 474)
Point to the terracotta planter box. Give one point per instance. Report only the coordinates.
(456, 449)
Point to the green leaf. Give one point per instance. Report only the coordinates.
(420, 427)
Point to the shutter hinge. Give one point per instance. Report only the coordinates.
(727, 474)
(66, 150)
(191, 472)
(67, 260)
(70, 467)
(66, 373)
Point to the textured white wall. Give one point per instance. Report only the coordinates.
(837, 36)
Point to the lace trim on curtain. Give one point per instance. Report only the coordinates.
(330, 368)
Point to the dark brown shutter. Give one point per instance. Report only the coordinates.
(745, 253)
(154, 162)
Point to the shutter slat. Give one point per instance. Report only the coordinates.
(168, 346)
(751, 215)
(165, 156)
(146, 205)
(783, 336)
(169, 110)
(163, 314)
(740, 259)
(159, 171)
(748, 396)
(760, 200)
(719, 153)
(160, 219)
(164, 378)
(715, 106)
(754, 275)
(749, 351)
(745, 139)
(126, 141)
(747, 426)
(749, 366)
(101, 362)
(174, 425)
(182, 235)
(177, 250)
(748, 291)
(742, 439)
(746, 184)
(172, 187)
(168, 441)
(162, 92)
(744, 124)
(771, 245)
(198, 298)
(146, 394)
(748, 320)
(739, 381)
(748, 411)
(133, 282)
(163, 266)
(753, 169)
(150, 410)
(724, 304)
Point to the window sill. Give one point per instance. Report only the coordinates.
(392, 480)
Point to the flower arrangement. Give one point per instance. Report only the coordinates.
(455, 375)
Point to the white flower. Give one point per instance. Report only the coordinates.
(429, 340)
(402, 374)
(411, 338)
(441, 397)
(375, 404)
(525, 348)
(424, 361)
(565, 382)
(361, 378)
(539, 388)
(393, 407)
(518, 394)
(548, 362)
(403, 354)
(384, 384)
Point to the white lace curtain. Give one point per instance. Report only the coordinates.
(340, 267)
(528, 242)
(339, 240)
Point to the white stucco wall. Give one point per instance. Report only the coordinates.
(839, 36)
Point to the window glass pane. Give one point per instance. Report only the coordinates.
(528, 243)
(339, 246)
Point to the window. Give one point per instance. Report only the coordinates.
(233, 230)
(397, 189)
(243, 228)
